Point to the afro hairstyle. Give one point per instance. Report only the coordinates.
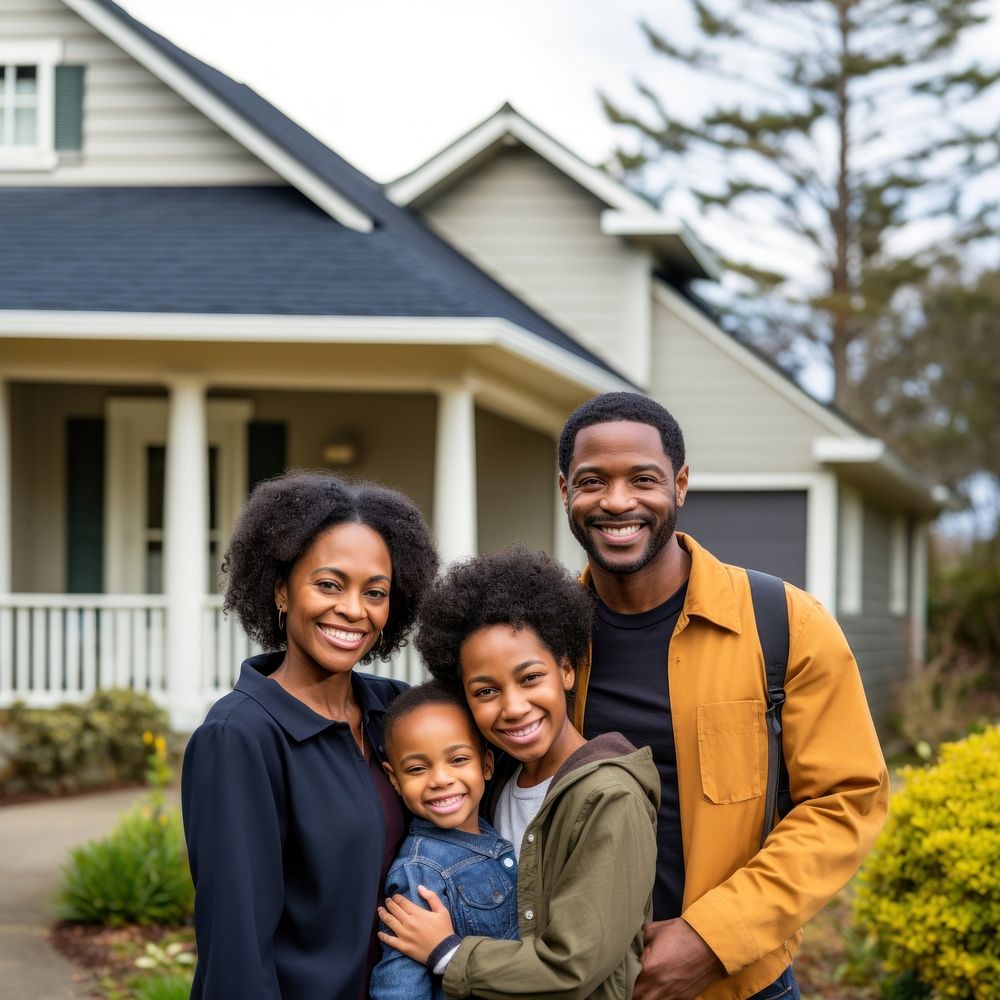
(614, 406)
(281, 519)
(513, 587)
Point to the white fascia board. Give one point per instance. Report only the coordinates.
(385, 330)
(653, 226)
(314, 188)
(729, 345)
(449, 161)
(848, 450)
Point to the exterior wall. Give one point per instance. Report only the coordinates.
(877, 636)
(515, 476)
(395, 435)
(539, 234)
(136, 130)
(733, 420)
(394, 432)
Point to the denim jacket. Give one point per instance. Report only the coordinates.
(475, 874)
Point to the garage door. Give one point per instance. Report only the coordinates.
(761, 529)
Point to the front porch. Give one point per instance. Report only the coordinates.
(117, 497)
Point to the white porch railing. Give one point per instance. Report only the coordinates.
(63, 647)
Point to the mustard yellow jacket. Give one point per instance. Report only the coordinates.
(749, 905)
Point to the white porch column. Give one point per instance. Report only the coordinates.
(185, 553)
(918, 591)
(822, 540)
(455, 474)
(6, 536)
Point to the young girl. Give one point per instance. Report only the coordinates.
(511, 629)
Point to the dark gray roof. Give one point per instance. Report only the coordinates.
(265, 250)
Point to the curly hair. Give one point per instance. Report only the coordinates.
(613, 406)
(512, 587)
(279, 522)
(429, 693)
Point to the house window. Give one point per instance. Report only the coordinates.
(18, 105)
(27, 104)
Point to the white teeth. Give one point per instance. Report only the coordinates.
(450, 801)
(630, 529)
(527, 731)
(342, 634)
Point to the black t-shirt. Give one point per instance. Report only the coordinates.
(629, 692)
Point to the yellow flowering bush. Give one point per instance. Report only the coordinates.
(930, 891)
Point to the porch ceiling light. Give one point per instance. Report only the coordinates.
(340, 452)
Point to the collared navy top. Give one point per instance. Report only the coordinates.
(286, 837)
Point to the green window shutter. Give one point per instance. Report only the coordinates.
(85, 505)
(69, 107)
(265, 451)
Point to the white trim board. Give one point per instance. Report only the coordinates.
(216, 110)
(436, 331)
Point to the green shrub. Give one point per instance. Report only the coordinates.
(98, 742)
(164, 988)
(137, 875)
(930, 891)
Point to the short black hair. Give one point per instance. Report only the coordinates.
(431, 692)
(513, 587)
(612, 406)
(279, 522)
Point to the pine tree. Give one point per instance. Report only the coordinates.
(853, 126)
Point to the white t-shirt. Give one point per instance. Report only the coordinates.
(517, 807)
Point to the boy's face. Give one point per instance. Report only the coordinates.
(438, 766)
(517, 692)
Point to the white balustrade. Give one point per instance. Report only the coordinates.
(62, 647)
(58, 648)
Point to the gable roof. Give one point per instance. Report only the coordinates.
(627, 214)
(429, 276)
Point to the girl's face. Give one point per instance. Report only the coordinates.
(517, 692)
(336, 598)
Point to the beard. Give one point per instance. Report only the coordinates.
(657, 540)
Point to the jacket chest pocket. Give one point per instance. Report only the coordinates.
(488, 906)
(729, 745)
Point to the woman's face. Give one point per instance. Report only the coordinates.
(336, 598)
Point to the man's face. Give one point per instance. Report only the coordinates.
(621, 495)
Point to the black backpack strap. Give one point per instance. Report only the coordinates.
(771, 613)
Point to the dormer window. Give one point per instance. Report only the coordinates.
(27, 104)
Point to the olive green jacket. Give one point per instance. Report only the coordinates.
(584, 886)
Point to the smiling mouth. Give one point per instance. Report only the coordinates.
(524, 732)
(619, 532)
(342, 637)
(447, 804)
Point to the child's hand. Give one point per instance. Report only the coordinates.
(417, 931)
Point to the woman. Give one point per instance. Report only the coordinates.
(290, 822)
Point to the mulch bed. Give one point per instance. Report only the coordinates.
(100, 949)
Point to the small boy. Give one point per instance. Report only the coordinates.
(439, 764)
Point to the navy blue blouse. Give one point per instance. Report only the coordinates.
(287, 839)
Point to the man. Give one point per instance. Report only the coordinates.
(676, 665)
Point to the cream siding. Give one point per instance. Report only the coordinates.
(733, 420)
(515, 472)
(136, 130)
(539, 234)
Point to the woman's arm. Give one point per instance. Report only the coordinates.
(233, 802)
(398, 976)
(597, 906)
